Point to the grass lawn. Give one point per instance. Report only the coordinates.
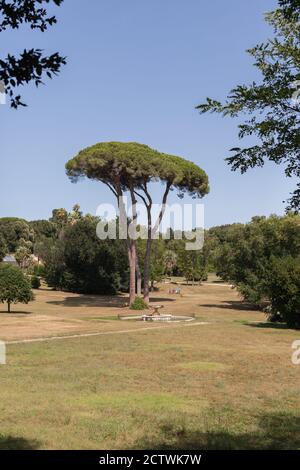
(227, 384)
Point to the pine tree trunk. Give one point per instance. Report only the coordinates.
(138, 277)
(8, 307)
(151, 232)
(132, 266)
(133, 260)
(146, 270)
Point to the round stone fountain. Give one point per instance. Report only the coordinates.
(157, 316)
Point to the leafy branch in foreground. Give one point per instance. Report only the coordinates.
(31, 65)
(273, 106)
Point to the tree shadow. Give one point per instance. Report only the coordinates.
(16, 313)
(232, 305)
(115, 301)
(91, 301)
(269, 325)
(275, 432)
(17, 443)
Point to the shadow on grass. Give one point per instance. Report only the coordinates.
(216, 281)
(232, 305)
(91, 301)
(275, 432)
(275, 326)
(100, 301)
(17, 443)
(15, 312)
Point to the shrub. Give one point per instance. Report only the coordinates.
(139, 304)
(283, 284)
(35, 282)
(38, 270)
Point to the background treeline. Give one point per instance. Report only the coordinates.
(261, 258)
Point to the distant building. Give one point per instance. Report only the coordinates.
(10, 259)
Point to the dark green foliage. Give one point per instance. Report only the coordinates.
(13, 231)
(273, 105)
(3, 247)
(283, 285)
(290, 8)
(191, 265)
(14, 286)
(43, 246)
(55, 265)
(38, 270)
(139, 304)
(82, 263)
(43, 228)
(138, 164)
(59, 217)
(35, 282)
(31, 65)
(262, 259)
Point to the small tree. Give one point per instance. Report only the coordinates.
(170, 261)
(14, 286)
(35, 282)
(191, 264)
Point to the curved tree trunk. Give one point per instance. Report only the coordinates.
(131, 245)
(146, 269)
(151, 233)
(133, 260)
(132, 267)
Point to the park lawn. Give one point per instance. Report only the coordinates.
(223, 385)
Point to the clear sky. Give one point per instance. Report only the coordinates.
(136, 69)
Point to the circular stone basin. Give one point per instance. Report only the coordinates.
(163, 317)
(159, 318)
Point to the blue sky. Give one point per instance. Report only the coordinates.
(136, 69)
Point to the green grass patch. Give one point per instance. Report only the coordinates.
(150, 402)
(203, 366)
(102, 318)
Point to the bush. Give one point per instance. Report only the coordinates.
(35, 282)
(283, 284)
(139, 304)
(38, 270)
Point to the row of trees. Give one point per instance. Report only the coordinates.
(261, 258)
(73, 258)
